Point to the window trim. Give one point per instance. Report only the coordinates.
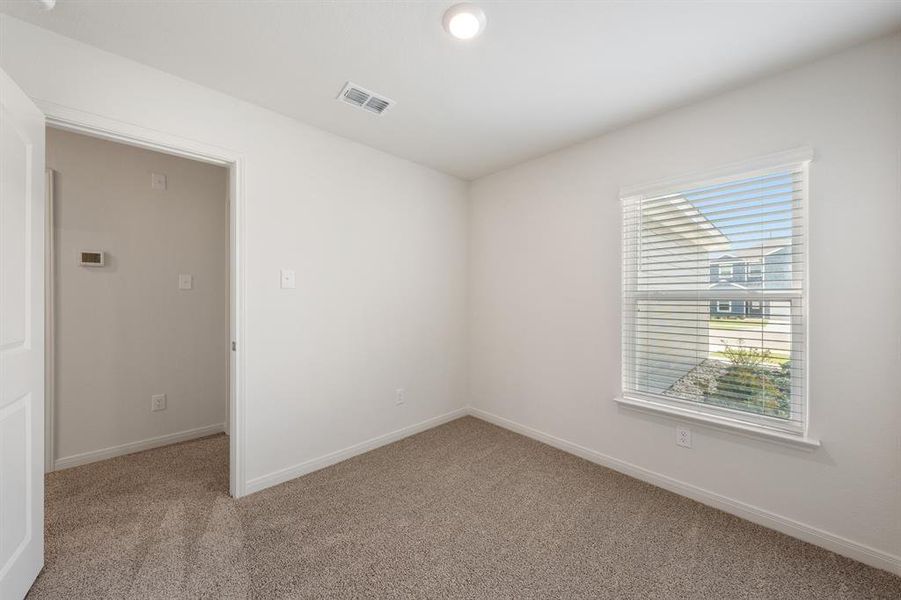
(726, 275)
(750, 275)
(736, 426)
(748, 423)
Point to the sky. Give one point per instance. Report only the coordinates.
(750, 211)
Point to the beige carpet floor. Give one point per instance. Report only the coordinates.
(466, 510)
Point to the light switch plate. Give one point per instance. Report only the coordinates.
(287, 279)
(185, 281)
(157, 181)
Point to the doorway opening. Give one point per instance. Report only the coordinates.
(142, 319)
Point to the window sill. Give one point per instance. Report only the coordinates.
(745, 429)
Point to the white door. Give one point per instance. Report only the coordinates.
(21, 341)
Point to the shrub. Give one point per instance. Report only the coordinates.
(750, 384)
(745, 357)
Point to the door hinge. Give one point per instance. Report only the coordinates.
(234, 346)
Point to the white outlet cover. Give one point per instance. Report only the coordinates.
(683, 437)
(158, 402)
(400, 396)
(185, 281)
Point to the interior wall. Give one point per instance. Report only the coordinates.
(544, 285)
(378, 245)
(546, 278)
(125, 331)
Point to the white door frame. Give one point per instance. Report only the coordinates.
(49, 326)
(69, 119)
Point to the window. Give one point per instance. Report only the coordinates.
(755, 272)
(748, 372)
(726, 271)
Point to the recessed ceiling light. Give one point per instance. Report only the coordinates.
(464, 21)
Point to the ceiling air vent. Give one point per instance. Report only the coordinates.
(363, 98)
(377, 105)
(355, 96)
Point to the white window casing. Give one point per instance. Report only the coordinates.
(748, 372)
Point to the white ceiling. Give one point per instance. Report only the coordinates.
(542, 76)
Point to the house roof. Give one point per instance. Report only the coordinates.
(758, 250)
(727, 285)
(704, 233)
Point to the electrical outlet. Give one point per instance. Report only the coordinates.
(400, 396)
(157, 402)
(683, 436)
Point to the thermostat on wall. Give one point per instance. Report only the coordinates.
(90, 258)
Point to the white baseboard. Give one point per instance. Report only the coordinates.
(123, 449)
(282, 475)
(824, 539)
(802, 531)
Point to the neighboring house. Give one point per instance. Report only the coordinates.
(764, 266)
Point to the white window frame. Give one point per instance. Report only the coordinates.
(725, 274)
(720, 304)
(744, 423)
(758, 266)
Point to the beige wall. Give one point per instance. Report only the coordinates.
(545, 300)
(379, 245)
(125, 331)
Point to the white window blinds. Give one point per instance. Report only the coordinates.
(714, 296)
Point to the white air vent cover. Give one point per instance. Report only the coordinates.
(362, 98)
